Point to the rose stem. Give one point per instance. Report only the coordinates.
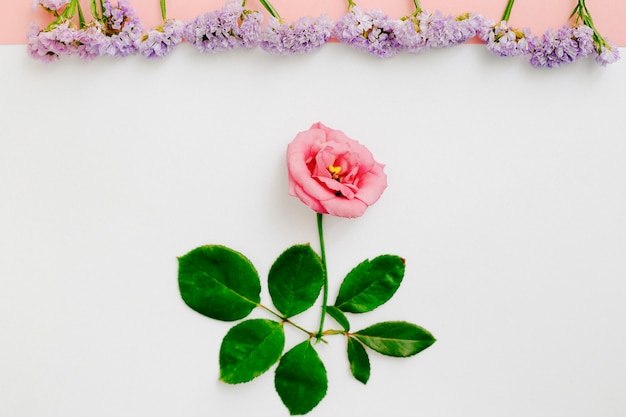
(320, 233)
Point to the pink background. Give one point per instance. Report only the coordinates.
(609, 15)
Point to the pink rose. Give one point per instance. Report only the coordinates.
(332, 173)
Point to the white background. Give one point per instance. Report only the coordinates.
(507, 197)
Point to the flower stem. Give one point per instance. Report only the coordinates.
(320, 233)
(582, 13)
(93, 6)
(507, 12)
(351, 4)
(163, 11)
(418, 6)
(81, 17)
(268, 6)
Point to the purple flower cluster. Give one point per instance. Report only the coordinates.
(606, 54)
(566, 45)
(122, 27)
(160, 41)
(371, 31)
(63, 39)
(504, 41)
(49, 45)
(425, 30)
(461, 29)
(229, 28)
(118, 32)
(302, 36)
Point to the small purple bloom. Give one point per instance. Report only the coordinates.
(606, 53)
(51, 4)
(436, 29)
(91, 42)
(410, 35)
(229, 28)
(426, 30)
(463, 28)
(122, 27)
(47, 45)
(299, 37)
(566, 45)
(503, 40)
(160, 41)
(370, 31)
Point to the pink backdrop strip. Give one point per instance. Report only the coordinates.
(538, 15)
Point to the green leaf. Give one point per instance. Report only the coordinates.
(396, 338)
(218, 282)
(359, 361)
(295, 280)
(339, 317)
(301, 380)
(370, 284)
(249, 349)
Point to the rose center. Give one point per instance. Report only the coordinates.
(334, 172)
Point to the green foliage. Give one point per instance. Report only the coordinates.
(218, 282)
(222, 284)
(295, 280)
(339, 317)
(249, 349)
(359, 361)
(370, 284)
(396, 338)
(301, 380)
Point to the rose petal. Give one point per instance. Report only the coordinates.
(346, 190)
(372, 185)
(309, 201)
(342, 207)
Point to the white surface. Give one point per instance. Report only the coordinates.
(507, 196)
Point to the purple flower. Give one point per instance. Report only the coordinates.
(91, 42)
(503, 40)
(51, 4)
(299, 37)
(372, 32)
(462, 28)
(566, 45)
(48, 45)
(229, 28)
(411, 36)
(160, 41)
(607, 54)
(426, 30)
(122, 27)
